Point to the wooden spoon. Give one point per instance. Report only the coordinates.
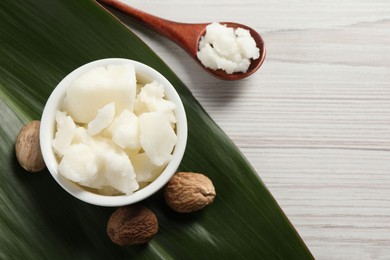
(188, 36)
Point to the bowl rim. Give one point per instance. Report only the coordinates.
(47, 131)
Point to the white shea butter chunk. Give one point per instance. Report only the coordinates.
(78, 164)
(125, 131)
(153, 98)
(66, 129)
(99, 87)
(152, 95)
(81, 136)
(103, 119)
(145, 169)
(247, 44)
(227, 49)
(157, 137)
(115, 168)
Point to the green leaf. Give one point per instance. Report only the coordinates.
(40, 42)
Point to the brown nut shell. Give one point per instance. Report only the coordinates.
(132, 225)
(28, 149)
(188, 192)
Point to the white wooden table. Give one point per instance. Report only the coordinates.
(314, 121)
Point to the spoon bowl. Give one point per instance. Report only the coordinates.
(188, 35)
(255, 64)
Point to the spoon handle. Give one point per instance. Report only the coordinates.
(184, 34)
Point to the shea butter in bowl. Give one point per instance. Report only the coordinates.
(113, 132)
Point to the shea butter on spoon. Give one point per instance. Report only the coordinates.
(226, 48)
(189, 35)
(114, 135)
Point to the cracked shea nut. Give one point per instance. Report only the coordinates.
(27, 148)
(188, 192)
(132, 225)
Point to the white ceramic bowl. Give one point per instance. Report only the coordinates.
(47, 132)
